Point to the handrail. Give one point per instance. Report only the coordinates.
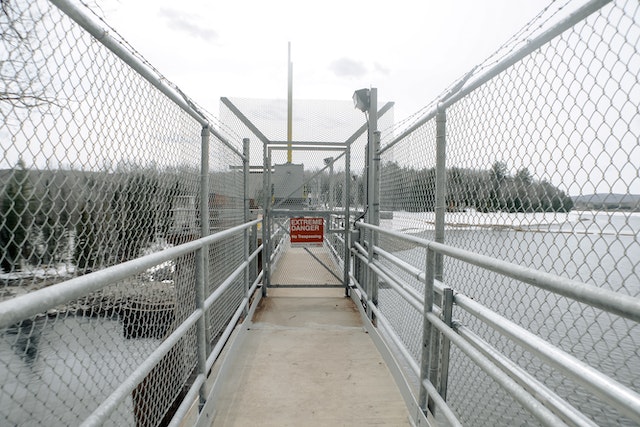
(618, 395)
(32, 303)
(612, 302)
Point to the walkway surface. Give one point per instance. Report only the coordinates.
(307, 360)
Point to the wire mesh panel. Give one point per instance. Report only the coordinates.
(305, 179)
(98, 168)
(540, 171)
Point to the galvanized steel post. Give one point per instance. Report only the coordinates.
(374, 208)
(347, 219)
(266, 190)
(202, 258)
(447, 318)
(245, 167)
(424, 401)
(441, 184)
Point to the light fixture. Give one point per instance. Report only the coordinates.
(328, 160)
(361, 99)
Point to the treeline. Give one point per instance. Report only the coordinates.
(93, 219)
(493, 190)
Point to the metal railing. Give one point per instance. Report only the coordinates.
(127, 250)
(498, 259)
(522, 386)
(520, 183)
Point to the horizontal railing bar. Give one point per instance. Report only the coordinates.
(384, 323)
(616, 394)
(41, 300)
(505, 381)
(526, 380)
(438, 286)
(338, 146)
(531, 46)
(622, 305)
(222, 341)
(408, 294)
(441, 405)
(102, 412)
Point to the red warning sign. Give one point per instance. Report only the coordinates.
(306, 231)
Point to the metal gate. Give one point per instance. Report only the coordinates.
(320, 188)
(306, 214)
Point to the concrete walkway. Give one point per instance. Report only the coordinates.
(306, 360)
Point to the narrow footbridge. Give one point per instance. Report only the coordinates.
(477, 263)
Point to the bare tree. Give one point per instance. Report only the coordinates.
(21, 63)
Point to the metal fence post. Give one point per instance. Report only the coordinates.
(441, 185)
(347, 219)
(374, 208)
(266, 189)
(447, 317)
(440, 210)
(424, 401)
(202, 262)
(245, 164)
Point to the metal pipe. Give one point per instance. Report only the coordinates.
(447, 315)
(245, 190)
(427, 329)
(441, 185)
(347, 218)
(201, 324)
(616, 394)
(531, 46)
(528, 401)
(612, 302)
(202, 258)
(567, 412)
(41, 300)
(289, 106)
(266, 205)
(102, 35)
(101, 414)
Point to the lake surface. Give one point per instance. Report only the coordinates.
(599, 249)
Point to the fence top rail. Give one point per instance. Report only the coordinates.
(612, 302)
(30, 304)
(468, 83)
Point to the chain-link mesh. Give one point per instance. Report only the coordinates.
(313, 180)
(541, 171)
(98, 167)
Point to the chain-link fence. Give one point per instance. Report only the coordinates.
(539, 150)
(101, 166)
(317, 177)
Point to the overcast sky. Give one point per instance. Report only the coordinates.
(411, 51)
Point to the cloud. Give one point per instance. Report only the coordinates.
(345, 67)
(186, 23)
(381, 68)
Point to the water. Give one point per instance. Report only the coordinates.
(600, 249)
(57, 371)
